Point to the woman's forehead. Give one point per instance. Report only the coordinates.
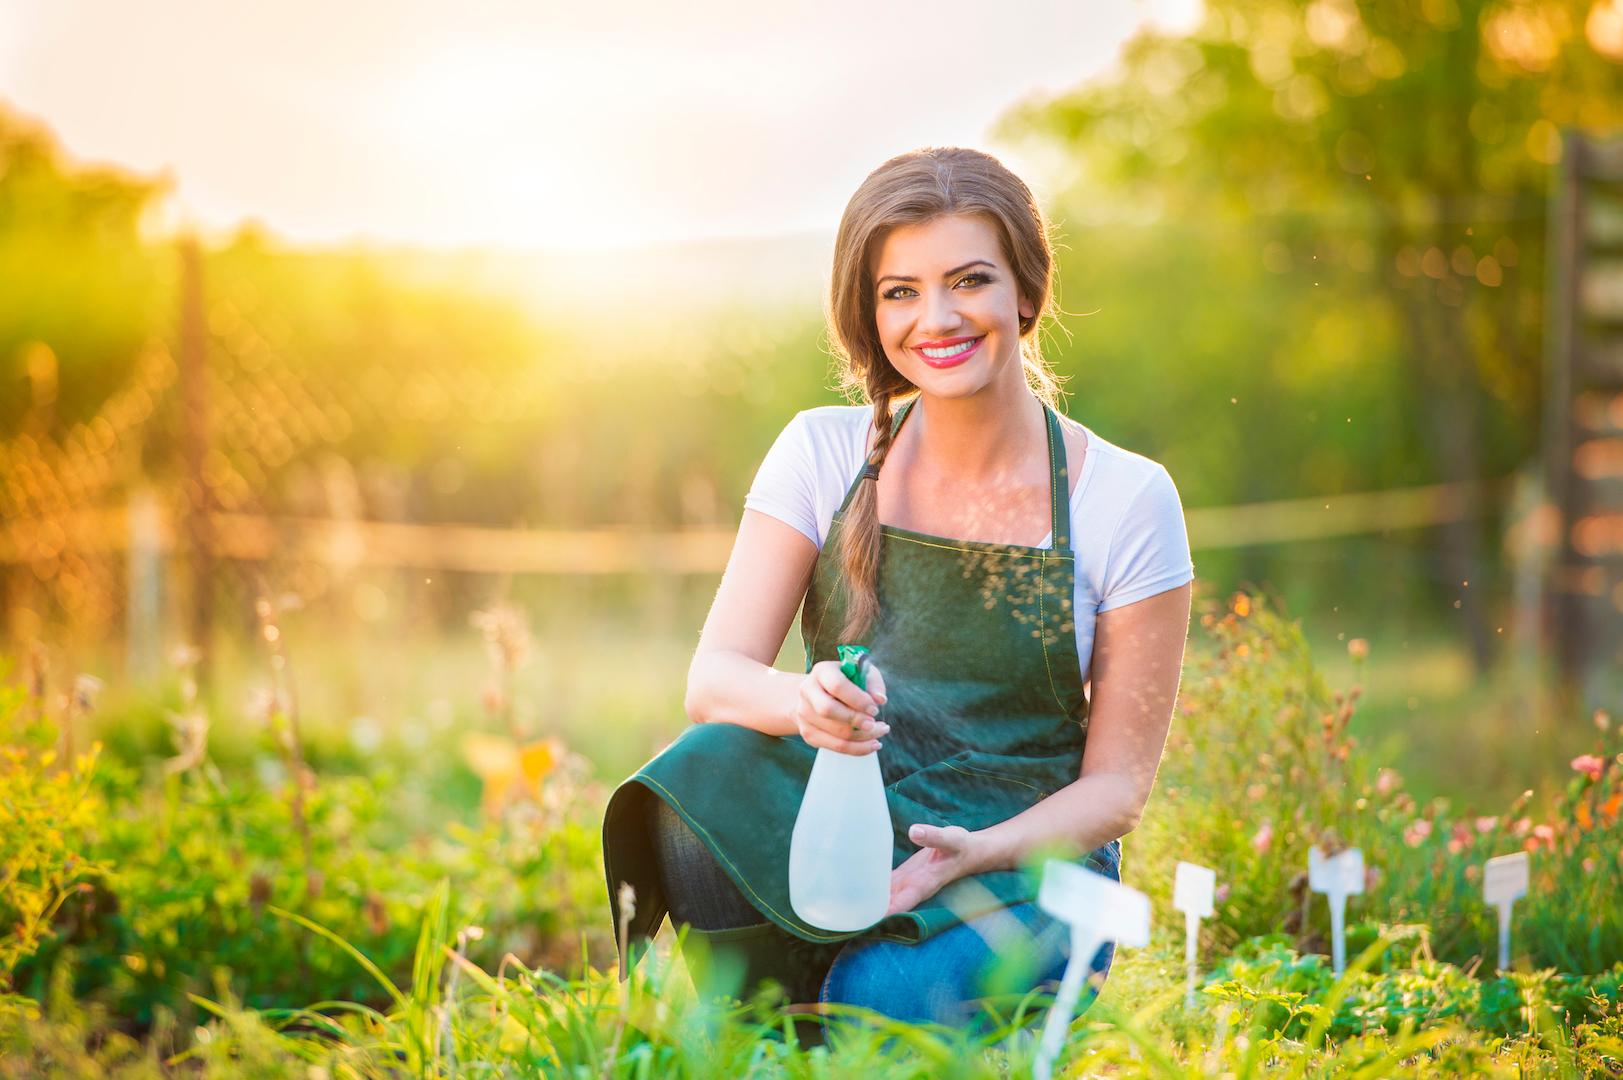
(931, 248)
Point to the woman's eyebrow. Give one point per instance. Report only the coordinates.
(948, 274)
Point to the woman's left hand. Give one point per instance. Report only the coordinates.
(946, 854)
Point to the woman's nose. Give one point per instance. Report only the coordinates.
(940, 317)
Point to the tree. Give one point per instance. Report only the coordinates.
(1422, 133)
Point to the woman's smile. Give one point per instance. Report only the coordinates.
(949, 353)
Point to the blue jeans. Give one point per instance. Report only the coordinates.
(943, 979)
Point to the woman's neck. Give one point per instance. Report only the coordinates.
(985, 438)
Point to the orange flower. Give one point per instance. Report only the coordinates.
(1611, 806)
(1242, 605)
(1583, 817)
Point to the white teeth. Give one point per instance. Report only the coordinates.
(951, 350)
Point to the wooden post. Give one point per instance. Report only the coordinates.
(195, 441)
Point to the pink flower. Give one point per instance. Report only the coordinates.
(1543, 836)
(1221, 893)
(1521, 826)
(1486, 824)
(1417, 832)
(1387, 781)
(1264, 838)
(1461, 838)
(1589, 765)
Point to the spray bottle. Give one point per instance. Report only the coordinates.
(840, 851)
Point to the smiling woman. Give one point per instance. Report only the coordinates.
(914, 525)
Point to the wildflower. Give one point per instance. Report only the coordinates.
(1263, 839)
(507, 635)
(1358, 648)
(1603, 719)
(1589, 765)
(1387, 781)
(1609, 809)
(1486, 824)
(1589, 865)
(1473, 872)
(1417, 832)
(1221, 893)
(1522, 825)
(1583, 817)
(1543, 836)
(1242, 605)
(1460, 839)
(85, 690)
(377, 914)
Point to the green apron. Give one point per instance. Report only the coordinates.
(987, 714)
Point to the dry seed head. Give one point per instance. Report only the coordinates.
(507, 634)
(85, 690)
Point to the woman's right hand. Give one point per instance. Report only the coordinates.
(835, 713)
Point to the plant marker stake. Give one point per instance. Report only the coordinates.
(1339, 876)
(1097, 910)
(1504, 881)
(1193, 888)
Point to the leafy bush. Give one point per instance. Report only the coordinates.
(48, 806)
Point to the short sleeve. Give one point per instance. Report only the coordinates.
(785, 485)
(1149, 552)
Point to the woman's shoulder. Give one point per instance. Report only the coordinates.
(1114, 466)
(835, 431)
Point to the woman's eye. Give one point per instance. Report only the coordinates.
(895, 291)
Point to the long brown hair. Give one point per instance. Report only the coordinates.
(910, 189)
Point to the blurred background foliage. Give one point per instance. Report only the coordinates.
(1302, 254)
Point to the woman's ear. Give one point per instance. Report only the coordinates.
(1028, 310)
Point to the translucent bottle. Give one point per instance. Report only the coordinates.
(839, 854)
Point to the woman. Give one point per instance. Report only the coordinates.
(915, 525)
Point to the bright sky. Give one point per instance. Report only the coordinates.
(538, 123)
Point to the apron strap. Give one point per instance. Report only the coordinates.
(869, 468)
(1059, 480)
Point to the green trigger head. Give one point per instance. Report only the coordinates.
(854, 661)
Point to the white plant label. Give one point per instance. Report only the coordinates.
(1337, 876)
(1097, 910)
(1193, 890)
(1504, 881)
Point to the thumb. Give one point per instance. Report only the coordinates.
(931, 836)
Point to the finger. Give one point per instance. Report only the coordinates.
(949, 839)
(839, 720)
(854, 747)
(876, 685)
(848, 693)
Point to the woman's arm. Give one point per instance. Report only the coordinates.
(1137, 661)
(731, 679)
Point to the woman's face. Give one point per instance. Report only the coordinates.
(946, 305)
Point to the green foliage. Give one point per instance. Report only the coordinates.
(196, 867)
(47, 808)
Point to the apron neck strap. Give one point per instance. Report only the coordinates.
(1059, 482)
(1059, 477)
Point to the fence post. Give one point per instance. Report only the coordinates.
(143, 627)
(195, 441)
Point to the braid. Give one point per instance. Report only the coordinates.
(859, 540)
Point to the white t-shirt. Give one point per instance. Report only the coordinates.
(1127, 526)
